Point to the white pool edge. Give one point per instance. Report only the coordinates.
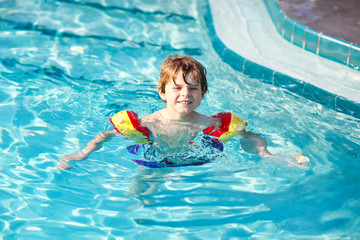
(257, 40)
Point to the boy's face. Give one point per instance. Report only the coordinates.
(181, 97)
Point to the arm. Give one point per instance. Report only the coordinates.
(84, 153)
(254, 143)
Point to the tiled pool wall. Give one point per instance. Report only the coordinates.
(321, 44)
(278, 79)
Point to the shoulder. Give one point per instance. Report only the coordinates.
(154, 117)
(206, 120)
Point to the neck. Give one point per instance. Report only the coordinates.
(178, 116)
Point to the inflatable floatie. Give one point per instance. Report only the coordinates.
(128, 124)
(207, 141)
(166, 164)
(231, 125)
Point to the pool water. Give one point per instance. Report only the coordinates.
(67, 66)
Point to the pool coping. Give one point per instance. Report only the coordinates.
(278, 79)
(327, 46)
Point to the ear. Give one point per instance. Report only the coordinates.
(203, 93)
(162, 95)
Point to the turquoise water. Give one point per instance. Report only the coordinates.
(67, 66)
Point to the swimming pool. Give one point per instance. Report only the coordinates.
(62, 78)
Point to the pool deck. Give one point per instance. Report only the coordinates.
(246, 28)
(340, 19)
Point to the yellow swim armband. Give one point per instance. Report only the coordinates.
(231, 125)
(128, 124)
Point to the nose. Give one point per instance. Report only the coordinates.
(185, 91)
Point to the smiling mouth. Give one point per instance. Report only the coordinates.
(185, 102)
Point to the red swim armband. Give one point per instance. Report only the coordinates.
(128, 124)
(231, 125)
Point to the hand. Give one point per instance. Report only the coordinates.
(289, 159)
(301, 159)
(78, 156)
(63, 166)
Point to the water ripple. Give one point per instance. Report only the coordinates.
(67, 66)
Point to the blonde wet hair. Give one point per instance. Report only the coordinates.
(174, 64)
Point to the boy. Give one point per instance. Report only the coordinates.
(182, 86)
